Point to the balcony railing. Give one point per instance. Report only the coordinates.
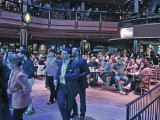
(66, 14)
(150, 19)
(146, 107)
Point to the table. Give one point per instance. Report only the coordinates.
(94, 73)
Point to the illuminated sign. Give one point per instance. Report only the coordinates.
(126, 32)
(27, 17)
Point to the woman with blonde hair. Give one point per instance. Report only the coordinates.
(18, 86)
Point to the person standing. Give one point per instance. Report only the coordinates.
(4, 102)
(21, 48)
(28, 68)
(82, 81)
(3, 52)
(51, 70)
(18, 86)
(66, 83)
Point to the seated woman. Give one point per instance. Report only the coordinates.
(143, 70)
(106, 66)
(132, 66)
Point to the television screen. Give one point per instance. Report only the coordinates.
(126, 32)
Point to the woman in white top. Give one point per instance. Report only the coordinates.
(51, 70)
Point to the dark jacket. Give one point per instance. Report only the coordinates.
(4, 107)
(71, 76)
(84, 71)
(28, 68)
(5, 72)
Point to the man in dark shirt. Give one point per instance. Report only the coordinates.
(155, 60)
(119, 70)
(82, 81)
(93, 63)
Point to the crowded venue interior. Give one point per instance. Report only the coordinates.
(80, 60)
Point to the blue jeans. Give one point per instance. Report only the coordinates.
(121, 77)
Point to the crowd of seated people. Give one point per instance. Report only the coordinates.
(121, 67)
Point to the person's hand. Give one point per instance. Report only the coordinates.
(116, 73)
(55, 83)
(62, 76)
(8, 91)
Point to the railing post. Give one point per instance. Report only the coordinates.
(49, 18)
(100, 23)
(76, 16)
(100, 17)
(127, 113)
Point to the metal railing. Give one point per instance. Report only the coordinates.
(146, 107)
(138, 21)
(66, 14)
(125, 19)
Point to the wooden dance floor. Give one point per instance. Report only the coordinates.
(103, 103)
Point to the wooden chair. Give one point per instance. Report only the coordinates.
(144, 85)
(155, 75)
(158, 74)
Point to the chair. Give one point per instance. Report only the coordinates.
(144, 83)
(158, 74)
(155, 75)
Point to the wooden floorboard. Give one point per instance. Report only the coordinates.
(103, 103)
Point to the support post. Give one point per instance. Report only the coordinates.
(23, 27)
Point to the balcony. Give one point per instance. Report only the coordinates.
(56, 28)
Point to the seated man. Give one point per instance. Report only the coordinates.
(119, 70)
(106, 66)
(93, 65)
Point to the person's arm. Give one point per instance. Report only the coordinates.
(75, 73)
(85, 69)
(25, 87)
(57, 76)
(113, 69)
(152, 62)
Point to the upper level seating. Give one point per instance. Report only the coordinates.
(44, 11)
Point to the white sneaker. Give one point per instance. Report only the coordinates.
(120, 91)
(128, 86)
